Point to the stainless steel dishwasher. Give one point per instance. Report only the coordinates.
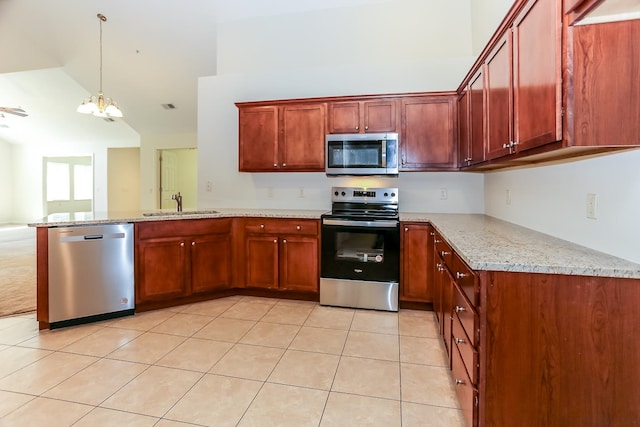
(91, 273)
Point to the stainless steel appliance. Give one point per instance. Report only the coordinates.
(362, 154)
(360, 249)
(91, 273)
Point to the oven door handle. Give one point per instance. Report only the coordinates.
(367, 224)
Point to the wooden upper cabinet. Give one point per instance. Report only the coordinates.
(476, 118)
(537, 75)
(363, 116)
(258, 134)
(282, 137)
(428, 138)
(499, 99)
(464, 128)
(302, 142)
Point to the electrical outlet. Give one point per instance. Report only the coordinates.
(508, 197)
(592, 206)
(443, 194)
(209, 185)
(301, 192)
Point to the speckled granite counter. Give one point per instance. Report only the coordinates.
(483, 242)
(487, 243)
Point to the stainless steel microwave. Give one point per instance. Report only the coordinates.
(362, 154)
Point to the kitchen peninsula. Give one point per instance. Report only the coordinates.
(545, 332)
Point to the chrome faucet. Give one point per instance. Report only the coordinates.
(177, 198)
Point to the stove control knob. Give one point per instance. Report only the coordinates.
(393, 194)
(336, 193)
(386, 194)
(343, 194)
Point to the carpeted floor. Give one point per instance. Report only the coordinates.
(17, 269)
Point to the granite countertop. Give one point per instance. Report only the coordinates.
(483, 242)
(487, 243)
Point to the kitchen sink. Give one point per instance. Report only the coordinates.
(183, 213)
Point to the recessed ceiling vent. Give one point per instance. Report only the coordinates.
(168, 106)
(109, 119)
(2, 125)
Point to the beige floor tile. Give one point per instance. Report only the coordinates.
(195, 354)
(298, 303)
(10, 321)
(59, 338)
(102, 342)
(287, 314)
(330, 317)
(283, 406)
(321, 340)
(248, 361)
(375, 321)
(271, 335)
(372, 345)
(45, 373)
(246, 310)
(418, 325)
(415, 415)
(215, 401)
(147, 348)
(18, 330)
(46, 412)
(101, 417)
(169, 423)
(305, 369)
(97, 382)
(14, 358)
(426, 384)
(182, 324)
(259, 300)
(142, 321)
(153, 392)
(353, 410)
(230, 330)
(368, 377)
(10, 401)
(211, 308)
(425, 351)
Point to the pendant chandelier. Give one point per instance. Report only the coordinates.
(99, 105)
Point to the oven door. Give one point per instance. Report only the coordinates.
(360, 250)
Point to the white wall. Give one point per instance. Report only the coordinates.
(6, 183)
(552, 199)
(486, 15)
(393, 47)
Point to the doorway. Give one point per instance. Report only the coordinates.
(178, 169)
(68, 184)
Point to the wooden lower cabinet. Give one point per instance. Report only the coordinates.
(416, 251)
(181, 258)
(532, 349)
(281, 254)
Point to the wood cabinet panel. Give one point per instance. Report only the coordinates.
(380, 116)
(344, 117)
(499, 99)
(428, 139)
(416, 250)
(162, 269)
(467, 395)
(476, 118)
(302, 143)
(261, 261)
(468, 352)
(464, 128)
(299, 266)
(210, 263)
(374, 116)
(258, 138)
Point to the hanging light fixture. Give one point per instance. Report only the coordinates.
(99, 105)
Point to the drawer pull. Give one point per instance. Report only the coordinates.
(459, 309)
(193, 243)
(460, 341)
(284, 241)
(432, 234)
(181, 244)
(262, 226)
(275, 240)
(298, 228)
(439, 267)
(437, 241)
(445, 253)
(460, 275)
(460, 382)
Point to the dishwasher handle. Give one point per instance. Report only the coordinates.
(93, 237)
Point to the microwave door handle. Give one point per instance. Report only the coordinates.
(384, 154)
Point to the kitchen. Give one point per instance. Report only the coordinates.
(425, 199)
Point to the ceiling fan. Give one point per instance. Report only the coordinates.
(15, 111)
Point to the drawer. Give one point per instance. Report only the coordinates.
(466, 392)
(467, 351)
(467, 316)
(443, 249)
(182, 227)
(466, 279)
(282, 226)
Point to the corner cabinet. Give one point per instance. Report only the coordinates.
(281, 254)
(428, 140)
(178, 259)
(287, 136)
(372, 116)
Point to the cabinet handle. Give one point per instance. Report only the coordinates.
(460, 275)
(460, 340)
(366, 128)
(357, 127)
(193, 243)
(275, 240)
(432, 234)
(298, 228)
(460, 382)
(406, 229)
(436, 240)
(284, 240)
(439, 267)
(262, 226)
(181, 244)
(445, 253)
(459, 309)
(284, 165)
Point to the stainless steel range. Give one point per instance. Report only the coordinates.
(360, 258)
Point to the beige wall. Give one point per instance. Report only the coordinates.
(123, 179)
(486, 15)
